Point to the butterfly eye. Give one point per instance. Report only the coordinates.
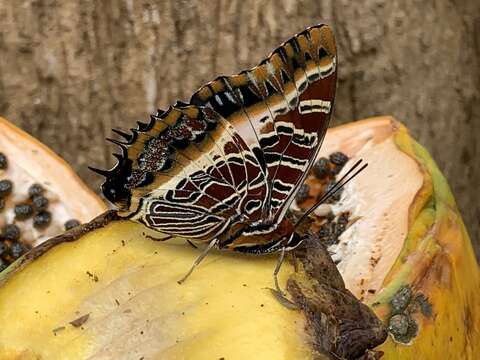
(294, 240)
(115, 187)
(114, 190)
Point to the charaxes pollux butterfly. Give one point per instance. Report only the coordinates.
(224, 168)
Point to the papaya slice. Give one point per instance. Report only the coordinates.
(40, 194)
(106, 290)
(407, 253)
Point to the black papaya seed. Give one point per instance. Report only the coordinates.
(5, 188)
(35, 190)
(3, 161)
(23, 211)
(70, 224)
(42, 219)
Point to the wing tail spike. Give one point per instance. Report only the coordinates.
(146, 126)
(102, 172)
(116, 142)
(122, 145)
(119, 157)
(165, 113)
(180, 104)
(142, 126)
(160, 112)
(123, 134)
(124, 151)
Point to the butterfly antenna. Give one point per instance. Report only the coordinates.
(345, 179)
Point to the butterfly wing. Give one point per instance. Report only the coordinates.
(282, 109)
(238, 152)
(185, 173)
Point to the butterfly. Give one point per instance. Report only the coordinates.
(224, 168)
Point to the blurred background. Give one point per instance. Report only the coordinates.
(72, 70)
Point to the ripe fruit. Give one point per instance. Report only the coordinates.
(39, 192)
(104, 289)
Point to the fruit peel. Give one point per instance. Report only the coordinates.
(438, 263)
(198, 319)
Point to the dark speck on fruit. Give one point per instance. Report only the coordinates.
(401, 299)
(2, 204)
(23, 211)
(302, 193)
(16, 250)
(324, 231)
(11, 232)
(333, 238)
(35, 190)
(342, 223)
(321, 169)
(403, 328)
(3, 248)
(3, 265)
(42, 219)
(40, 202)
(335, 196)
(5, 188)
(425, 306)
(3, 161)
(338, 158)
(70, 224)
(398, 324)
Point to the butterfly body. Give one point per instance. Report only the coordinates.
(227, 165)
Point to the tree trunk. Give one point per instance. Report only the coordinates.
(71, 70)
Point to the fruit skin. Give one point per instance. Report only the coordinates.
(44, 165)
(438, 264)
(39, 191)
(127, 284)
(225, 309)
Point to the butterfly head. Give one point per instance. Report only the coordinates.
(115, 187)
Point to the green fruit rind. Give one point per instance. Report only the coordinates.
(438, 264)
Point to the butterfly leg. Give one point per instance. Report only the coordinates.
(158, 239)
(277, 270)
(277, 292)
(295, 261)
(199, 259)
(168, 238)
(192, 244)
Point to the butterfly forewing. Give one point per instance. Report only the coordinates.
(281, 108)
(238, 152)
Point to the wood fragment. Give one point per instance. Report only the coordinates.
(80, 321)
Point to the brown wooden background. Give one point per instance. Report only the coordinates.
(71, 70)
